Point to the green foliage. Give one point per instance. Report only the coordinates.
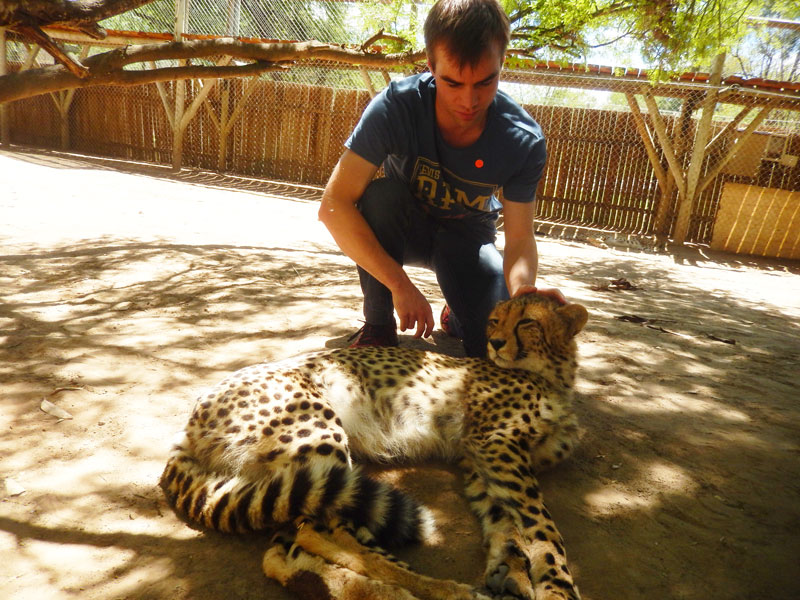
(401, 18)
(769, 52)
(155, 17)
(669, 35)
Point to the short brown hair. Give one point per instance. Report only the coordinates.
(467, 28)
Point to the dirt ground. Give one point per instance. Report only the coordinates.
(127, 289)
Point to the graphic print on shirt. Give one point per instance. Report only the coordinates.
(447, 193)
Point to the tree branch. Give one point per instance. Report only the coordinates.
(70, 12)
(35, 34)
(272, 52)
(50, 79)
(108, 68)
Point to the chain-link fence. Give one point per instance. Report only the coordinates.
(623, 156)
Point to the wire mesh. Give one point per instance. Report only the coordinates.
(290, 126)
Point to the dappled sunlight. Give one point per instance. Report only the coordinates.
(659, 479)
(660, 398)
(683, 484)
(613, 502)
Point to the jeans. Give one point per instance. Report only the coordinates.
(469, 269)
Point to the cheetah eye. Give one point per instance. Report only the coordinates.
(525, 322)
(493, 322)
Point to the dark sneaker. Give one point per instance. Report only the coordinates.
(444, 321)
(374, 335)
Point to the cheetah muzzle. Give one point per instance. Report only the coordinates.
(276, 447)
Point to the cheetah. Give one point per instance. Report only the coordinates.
(275, 447)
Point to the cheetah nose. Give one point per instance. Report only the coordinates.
(497, 344)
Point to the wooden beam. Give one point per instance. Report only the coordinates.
(664, 181)
(714, 144)
(200, 98)
(30, 59)
(162, 93)
(239, 108)
(184, 116)
(215, 120)
(225, 100)
(229, 122)
(180, 90)
(647, 139)
(698, 152)
(177, 131)
(681, 136)
(666, 143)
(368, 82)
(34, 33)
(718, 166)
(741, 95)
(180, 19)
(63, 101)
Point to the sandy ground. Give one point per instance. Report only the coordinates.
(126, 290)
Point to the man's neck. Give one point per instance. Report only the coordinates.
(460, 135)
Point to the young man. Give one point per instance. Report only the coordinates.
(455, 152)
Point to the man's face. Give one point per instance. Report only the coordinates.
(463, 95)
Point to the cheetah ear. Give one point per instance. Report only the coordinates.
(575, 315)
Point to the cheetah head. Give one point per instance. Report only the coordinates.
(534, 333)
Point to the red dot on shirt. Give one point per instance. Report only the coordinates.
(479, 163)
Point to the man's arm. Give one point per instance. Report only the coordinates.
(351, 232)
(520, 256)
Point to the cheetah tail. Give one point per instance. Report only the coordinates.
(234, 504)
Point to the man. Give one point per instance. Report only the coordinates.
(455, 152)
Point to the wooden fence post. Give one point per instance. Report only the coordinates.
(177, 130)
(5, 137)
(227, 118)
(63, 101)
(180, 91)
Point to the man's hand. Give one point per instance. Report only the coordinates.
(551, 293)
(413, 310)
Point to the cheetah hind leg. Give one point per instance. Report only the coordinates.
(305, 575)
(339, 545)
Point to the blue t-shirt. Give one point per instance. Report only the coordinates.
(398, 129)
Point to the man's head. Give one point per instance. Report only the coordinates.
(466, 30)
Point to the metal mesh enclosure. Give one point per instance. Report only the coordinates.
(621, 153)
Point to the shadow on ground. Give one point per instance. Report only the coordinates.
(685, 485)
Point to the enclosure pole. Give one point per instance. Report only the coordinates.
(699, 152)
(177, 130)
(4, 129)
(225, 94)
(234, 16)
(180, 91)
(180, 19)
